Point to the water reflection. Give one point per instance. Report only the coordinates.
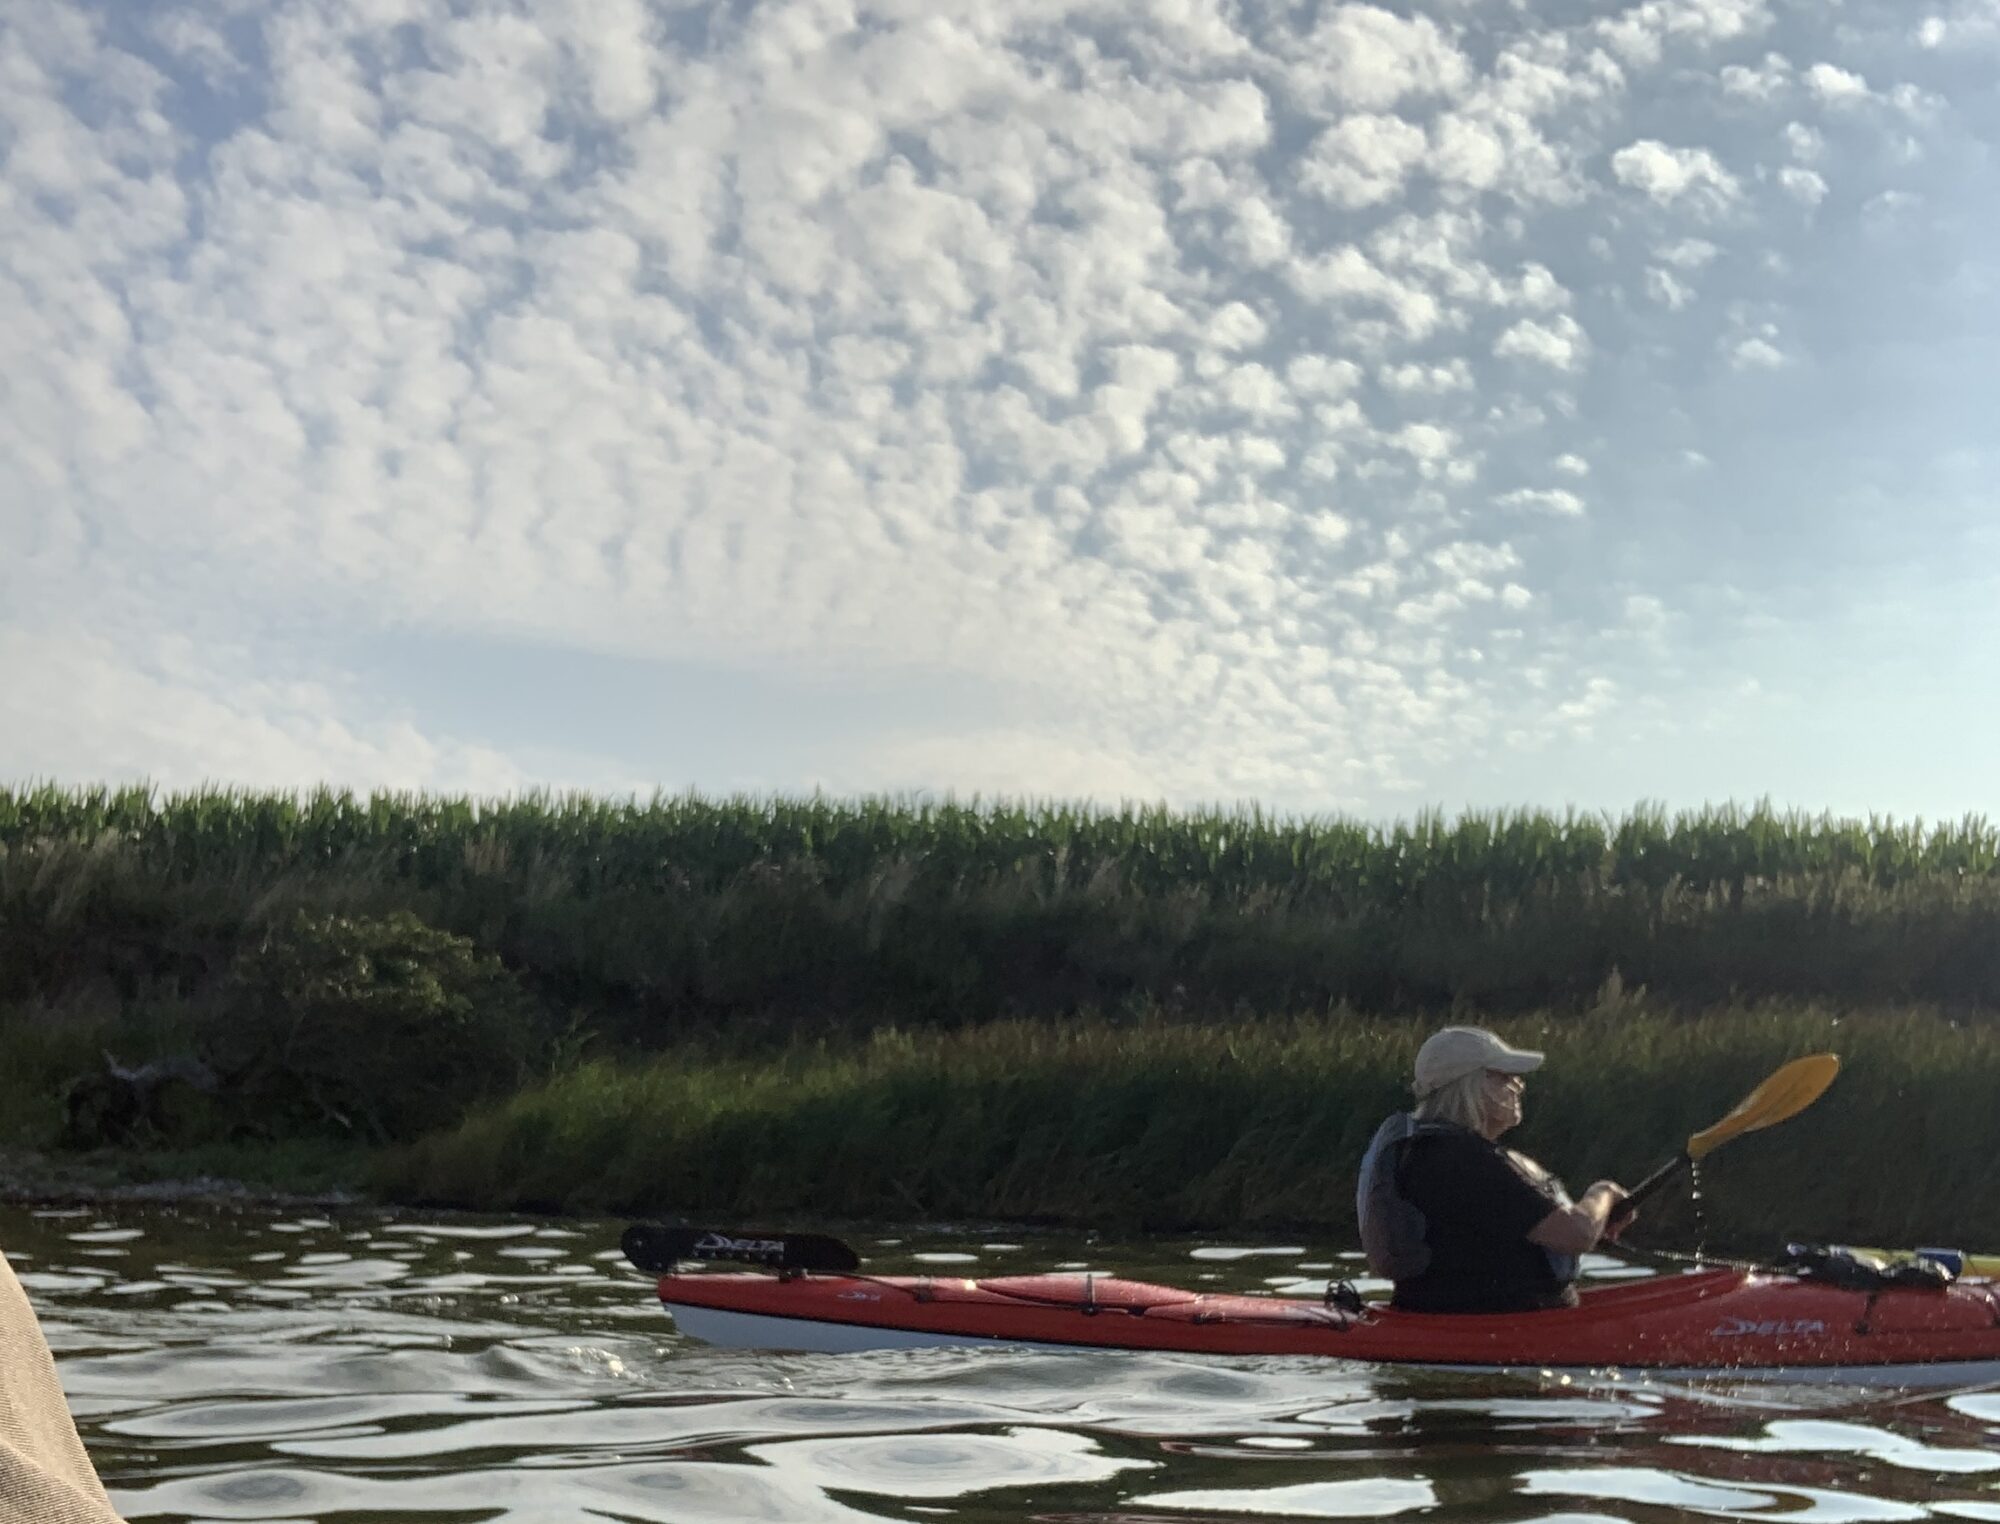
(1370, 1498)
(236, 1366)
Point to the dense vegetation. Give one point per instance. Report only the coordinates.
(1159, 1124)
(339, 967)
(654, 916)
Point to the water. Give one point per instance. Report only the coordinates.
(1700, 1215)
(244, 1366)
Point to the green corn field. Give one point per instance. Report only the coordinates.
(649, 916)
(591, 845)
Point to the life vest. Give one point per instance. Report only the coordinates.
(1392, 1230)
(1394, 1235)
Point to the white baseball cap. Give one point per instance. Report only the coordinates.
(1458, 1051)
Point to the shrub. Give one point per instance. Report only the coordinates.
(383, 1026)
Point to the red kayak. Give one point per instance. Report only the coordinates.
(1742, 1323)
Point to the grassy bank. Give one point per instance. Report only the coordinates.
(1158, 1124)
(1143, 1016)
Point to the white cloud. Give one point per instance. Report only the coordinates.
(1236, 326)
(1687, 253)
(1641, 33)
(1802, 184)
(1255, 390)
(1050, 351)
(1366, 58)
(1560, 343)
(1348, 276)
(1756, 352)
(1361, 160)
(1670, 174)
(1559, 501)
(1890, 208)
(1969, 24)
(1835, 86)
(1596, 698)
(1766, 81)
(1415, 378)
(171, 717)
(1425, 441)
(1318, 375)
(1467, 152)
(197, 41)
(1645, 614)
(1668, 289)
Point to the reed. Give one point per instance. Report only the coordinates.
(1157, 1123)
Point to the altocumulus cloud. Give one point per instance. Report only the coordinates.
(1212, 399)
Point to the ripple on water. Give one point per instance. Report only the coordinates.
(700, 1492)
(946, 1465)
(1658, 1488)
(1832, 1438)
(1365, 1498)
(62, 1282)
(296, 1417)
(1228, 1254)
(690, 1492)
(297, 1368)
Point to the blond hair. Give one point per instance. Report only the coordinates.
(1461, 1101)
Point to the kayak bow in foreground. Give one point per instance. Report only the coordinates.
(1734, 1322)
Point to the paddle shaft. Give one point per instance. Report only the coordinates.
(1789, 1090)
(1652, 1183)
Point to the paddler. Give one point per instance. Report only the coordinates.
(1458, 1222)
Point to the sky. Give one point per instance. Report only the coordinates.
(1338, 407)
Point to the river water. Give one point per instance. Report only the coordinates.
(229, 1365)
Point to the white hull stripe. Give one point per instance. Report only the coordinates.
(751, 1330)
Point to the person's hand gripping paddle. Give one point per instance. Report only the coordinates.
(1788, 1091)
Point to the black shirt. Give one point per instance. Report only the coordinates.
(1480, 1201)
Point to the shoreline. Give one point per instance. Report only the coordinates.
(32, 1180)
(29, 1178)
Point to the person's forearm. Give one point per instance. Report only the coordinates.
(1593, 1214)
(1581, 1226)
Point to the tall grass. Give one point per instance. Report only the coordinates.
(1169, 1124)
(657, 915)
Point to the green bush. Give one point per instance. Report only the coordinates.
(383, 1027)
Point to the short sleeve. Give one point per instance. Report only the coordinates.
(1504, 1196)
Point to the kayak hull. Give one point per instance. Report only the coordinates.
(1744, 1324)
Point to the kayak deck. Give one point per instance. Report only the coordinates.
(1740, 1322)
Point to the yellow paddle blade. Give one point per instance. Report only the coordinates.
(1786, 1093)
